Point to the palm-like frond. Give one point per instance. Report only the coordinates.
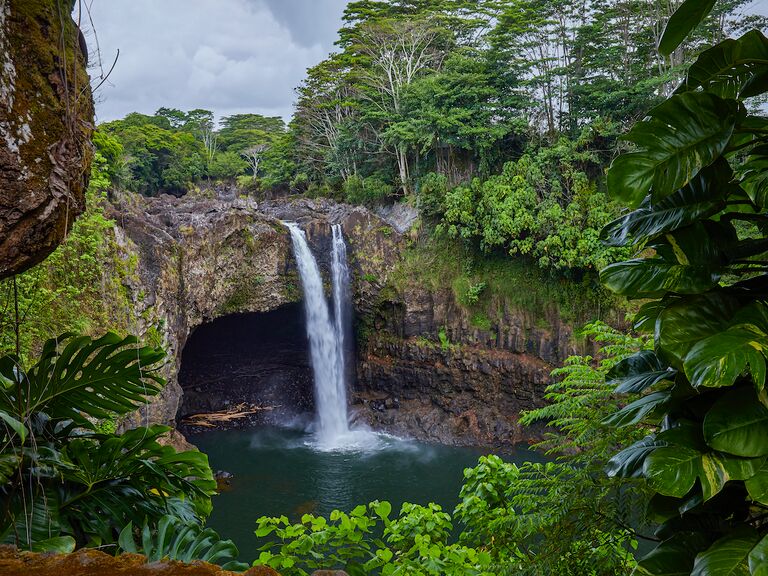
(182, 541)
(77, 376)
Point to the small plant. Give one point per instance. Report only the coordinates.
(174, 539)
(445, 342)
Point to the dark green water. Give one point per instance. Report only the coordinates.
(279, 471)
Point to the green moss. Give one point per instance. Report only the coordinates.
(244, 292)
(481, 321)
(480, 281)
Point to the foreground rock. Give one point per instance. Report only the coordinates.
(46, 121)
(95, 563)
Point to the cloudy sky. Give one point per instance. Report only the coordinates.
(229, 56)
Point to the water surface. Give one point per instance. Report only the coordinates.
(285, 472)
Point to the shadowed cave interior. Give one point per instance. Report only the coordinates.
(260, 359)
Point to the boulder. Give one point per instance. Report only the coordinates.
(46, 122)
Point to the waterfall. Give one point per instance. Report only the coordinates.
(325, 336)
(342, 300)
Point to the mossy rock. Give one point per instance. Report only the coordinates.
(46, 120)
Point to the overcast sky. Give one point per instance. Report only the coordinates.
(229, 56)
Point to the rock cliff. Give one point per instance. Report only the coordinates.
(422, 368)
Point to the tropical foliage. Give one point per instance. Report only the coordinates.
(695, 177)
(64, 483)
(174, 539)
(563, 517)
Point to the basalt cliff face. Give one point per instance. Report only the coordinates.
(421, 368)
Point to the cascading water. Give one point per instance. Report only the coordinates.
(325, 337)
(342, 301)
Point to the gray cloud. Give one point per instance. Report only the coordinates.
(229, 56)
(310, 22)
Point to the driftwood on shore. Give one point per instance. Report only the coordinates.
(213, 419)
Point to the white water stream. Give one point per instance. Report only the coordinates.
(326, 336)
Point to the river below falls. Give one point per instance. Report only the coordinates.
(283, 472)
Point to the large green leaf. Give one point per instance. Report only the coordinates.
(757, 485)
(673, 557)
(654, 277)
(78, 376)
(719, 360)
(730, 68)
(758, 558)
(638, 372)
(177, 540)
(703, 196)
(738, 424)
(685, 19)
(681, 136)
(753, 175)
(685, 322)
(629, 462)
(639, 409)
(672, 470)
(716, 469)
(728, 556)
(15, 425)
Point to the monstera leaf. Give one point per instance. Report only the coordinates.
(681, 136)
(77, 377)
(689, 15)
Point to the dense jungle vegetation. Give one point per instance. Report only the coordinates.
(627, 137)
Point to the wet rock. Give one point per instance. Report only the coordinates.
(46, 121)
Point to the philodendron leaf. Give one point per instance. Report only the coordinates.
(757, 485)
(638, 372)
(686, 322)
(639, 409)
(753, 175)
(728, 556)
(58, 544)
(673, 557)
(682, 135)
(15, 425)
(689, 15)
(758, 558)
(716, 469)
(738, 424)
(703, 196)
(730, 68)
(672, 470)
(654, 277)
(719, 360)
(629, 462)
